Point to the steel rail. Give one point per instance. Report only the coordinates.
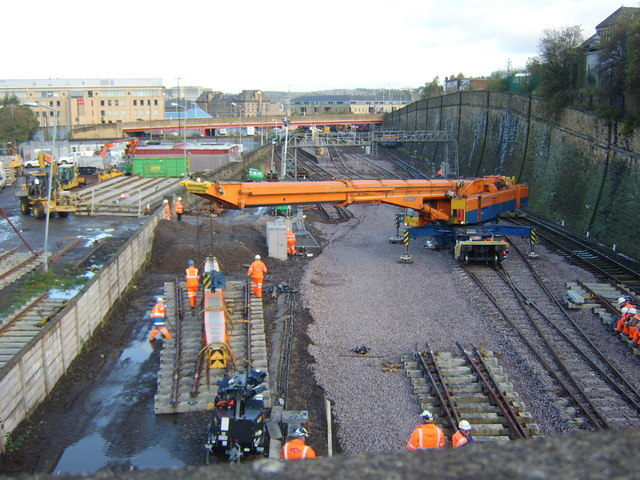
(439, 386)
(626, 385)
(490, 388)
(551, 370)
(175, 388)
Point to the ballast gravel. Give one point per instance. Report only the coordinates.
(359, 293)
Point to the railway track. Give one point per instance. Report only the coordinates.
(17, 329)
(15, 265)
(469, 385)
(603, 262)
(185, 384)
(596, 394)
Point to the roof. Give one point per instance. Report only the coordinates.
(195, 112)
(82, 82)
(621, 12)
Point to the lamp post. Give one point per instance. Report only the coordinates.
(259, 92)
(185, 128)
(239, 120)
(50, 182)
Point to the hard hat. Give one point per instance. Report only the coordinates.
(625, 310)
(632, 311)
(301, 432)
(160, 299)
(427, 415)
(257, 257)
(165, 201)
(180, 198)
(464, 425)
(190, 262)
(621, 300)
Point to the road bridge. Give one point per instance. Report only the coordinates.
(207, 126)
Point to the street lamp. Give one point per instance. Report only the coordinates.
(185, 128)
(239, 120)
(53, 147)
(259, 92)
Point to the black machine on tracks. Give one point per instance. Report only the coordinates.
(238, 425)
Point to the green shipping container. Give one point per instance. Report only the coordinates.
(160, 167)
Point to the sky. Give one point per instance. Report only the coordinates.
(283, 45)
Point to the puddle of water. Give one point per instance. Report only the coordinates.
(84, 456)
(155, 457)
(94, 235)
(71, 292)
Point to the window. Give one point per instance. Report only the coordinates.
(90, 93)
(102, 113)
(155, 102)
(108, 103)
(102, 103)
(135, 103)
(115, 103)
(113, 93)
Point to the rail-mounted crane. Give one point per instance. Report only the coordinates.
(447, 210)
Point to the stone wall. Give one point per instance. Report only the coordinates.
(580, 170)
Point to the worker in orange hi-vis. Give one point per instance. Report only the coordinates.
(256, 271)
(426, 436)
(193, 282)
(463, 435)
(296, 449)
(158, 318)
(291, 242)
(167, 209)
(179, 208)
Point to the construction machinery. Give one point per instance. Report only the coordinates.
(32, 190)
(449, 211)
(68, 177)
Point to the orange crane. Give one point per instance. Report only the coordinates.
(442, 205)
(460, 202)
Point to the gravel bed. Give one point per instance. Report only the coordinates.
(359, 293)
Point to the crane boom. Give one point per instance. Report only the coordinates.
(463, 202)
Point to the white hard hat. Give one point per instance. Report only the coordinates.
(165, 201)
(427, 415)
(180, 198)
(625, 310)
(257, 257)
(621, 300)
(464, 425)
(160, 299)
(632, 311)
(301, 432)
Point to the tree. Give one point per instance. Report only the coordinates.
(18, 124)
(431, 89)
(558, 64)
(497, 81)
(619, 70)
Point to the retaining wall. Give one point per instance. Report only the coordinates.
(581, 170)
(30, 376)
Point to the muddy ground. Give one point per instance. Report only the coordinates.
(39, 442)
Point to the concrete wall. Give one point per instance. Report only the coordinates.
(580, 170)
(30, 376)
